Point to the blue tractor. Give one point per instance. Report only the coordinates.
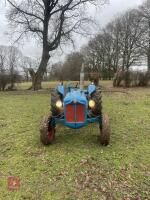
(75, 108)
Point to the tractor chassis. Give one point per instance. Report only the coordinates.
(62, 121)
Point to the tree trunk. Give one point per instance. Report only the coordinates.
(12, 77)
(27, 76)
(127, 77)
(148, 58)
(148, 51)
(38, 76)
(3, 88)
(109, 69)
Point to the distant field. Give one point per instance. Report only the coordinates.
(52, 84)
(75, 167)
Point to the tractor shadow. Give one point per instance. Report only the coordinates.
(86, 136)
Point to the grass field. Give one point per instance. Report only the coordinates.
(75, 166)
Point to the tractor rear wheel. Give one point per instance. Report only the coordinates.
(47, 132)
(97, 97)
(105, 131)
(54, 98)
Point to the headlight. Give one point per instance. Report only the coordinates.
(92, 104)
(59, 104)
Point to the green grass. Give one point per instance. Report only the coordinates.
(75, 166)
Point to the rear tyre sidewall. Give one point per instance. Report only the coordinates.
(44, 128)
(105, 131)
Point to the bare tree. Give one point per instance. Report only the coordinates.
(9, 62)
(144, 12)
(51, 21)
(69, 69)
(72, 66)
(13, 58)
(118, 45)
(25, 66)
(2, 59)
(94, 55)
(131, 34)
(102, 53)
(4, 79)
(28, 64)
(114, 47)
(56, 72)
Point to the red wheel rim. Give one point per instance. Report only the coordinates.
(51, 133)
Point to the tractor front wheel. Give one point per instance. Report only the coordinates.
(47, 131)
(105, 131)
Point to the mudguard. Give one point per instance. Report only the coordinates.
(91, 89)
(61, 90)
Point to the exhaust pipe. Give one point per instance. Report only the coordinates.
(82, 77)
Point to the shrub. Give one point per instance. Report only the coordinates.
(131, 79)
(4, 80)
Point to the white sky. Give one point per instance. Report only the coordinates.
(102, 16)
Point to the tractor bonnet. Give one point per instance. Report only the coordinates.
(75, 96)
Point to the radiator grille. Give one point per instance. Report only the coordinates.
(75, 113)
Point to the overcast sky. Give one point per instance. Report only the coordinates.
(102, 16)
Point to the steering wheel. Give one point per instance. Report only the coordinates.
(71, 86)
